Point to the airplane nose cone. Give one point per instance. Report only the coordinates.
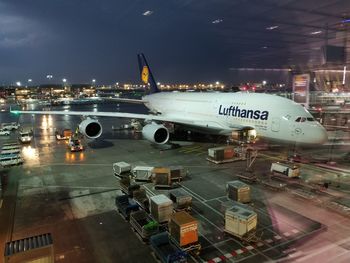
(321, 135)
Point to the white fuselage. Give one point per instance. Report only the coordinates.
(272, 117)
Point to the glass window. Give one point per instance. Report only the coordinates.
(310, 119)
(303, 119)
(298, 119)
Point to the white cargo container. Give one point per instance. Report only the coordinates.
(240, 220)
(120, 168)
(161, 208)
(290, 170)
(142, 173)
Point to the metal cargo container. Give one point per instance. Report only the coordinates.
(120, 168)
(238, 191)
(142, 173)
(177, 173)
(141, 198)
(161, 208)
(162, 177)
(181, 199)
(240, 220)
(221, 153)
(183, 228)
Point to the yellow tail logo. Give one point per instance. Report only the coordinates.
(145, 74)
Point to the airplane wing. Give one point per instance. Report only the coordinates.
(207, 125)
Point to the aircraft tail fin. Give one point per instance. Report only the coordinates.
(146, 74)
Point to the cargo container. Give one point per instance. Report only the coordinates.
(143, 224)
(142, 173)
(161, 208)
(238, 191)
(127, 187)
(141, 198)
(241, 221)
(165, 250)
(120, 168)
(181, 199)
(183, 229)
(221, 153)
(161, 177)
(125, 205)
(177, 173)
(290, 170)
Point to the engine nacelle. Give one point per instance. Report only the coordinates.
(90, 128)
(155, 133)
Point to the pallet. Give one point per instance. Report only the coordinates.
(224, 161)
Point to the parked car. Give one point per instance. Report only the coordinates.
(4, 132)
(10, 126)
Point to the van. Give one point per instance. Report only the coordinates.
(10, 159)
(25, 137)
(290, 170)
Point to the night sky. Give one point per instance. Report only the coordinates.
(184, 40)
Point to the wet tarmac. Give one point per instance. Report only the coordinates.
(71, 195)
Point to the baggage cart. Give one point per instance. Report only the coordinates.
(143, 224)
(165, 250)
(125, 205)
(181, 199)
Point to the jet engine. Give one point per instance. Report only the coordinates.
(155, 133)
(90, 128)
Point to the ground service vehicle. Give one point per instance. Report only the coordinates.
(75, 145)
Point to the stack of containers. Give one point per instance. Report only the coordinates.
(161, 208)
(238, 191)
(183, 228)
(221, 153)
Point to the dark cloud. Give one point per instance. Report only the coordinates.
(85, 39)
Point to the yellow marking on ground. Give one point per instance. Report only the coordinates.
(190, 148)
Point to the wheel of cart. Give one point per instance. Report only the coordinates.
(192, 249)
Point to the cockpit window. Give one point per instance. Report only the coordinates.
(303, 119)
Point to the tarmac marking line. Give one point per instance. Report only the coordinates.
(228, 255)
(239, 251)
(277, 237)
(249, 247)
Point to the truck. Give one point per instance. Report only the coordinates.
(64, 135)
(4, 132)
(290, 170)
(125, 205)
(143, 224)
(165, 250)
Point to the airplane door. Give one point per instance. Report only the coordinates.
(275, 126)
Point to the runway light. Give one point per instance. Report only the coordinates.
(147, 13)
(264, 82)
(18, 83)
(271, 27)
(316, 32)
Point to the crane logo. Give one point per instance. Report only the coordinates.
(145, 74)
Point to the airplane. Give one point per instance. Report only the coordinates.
(259, 115)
